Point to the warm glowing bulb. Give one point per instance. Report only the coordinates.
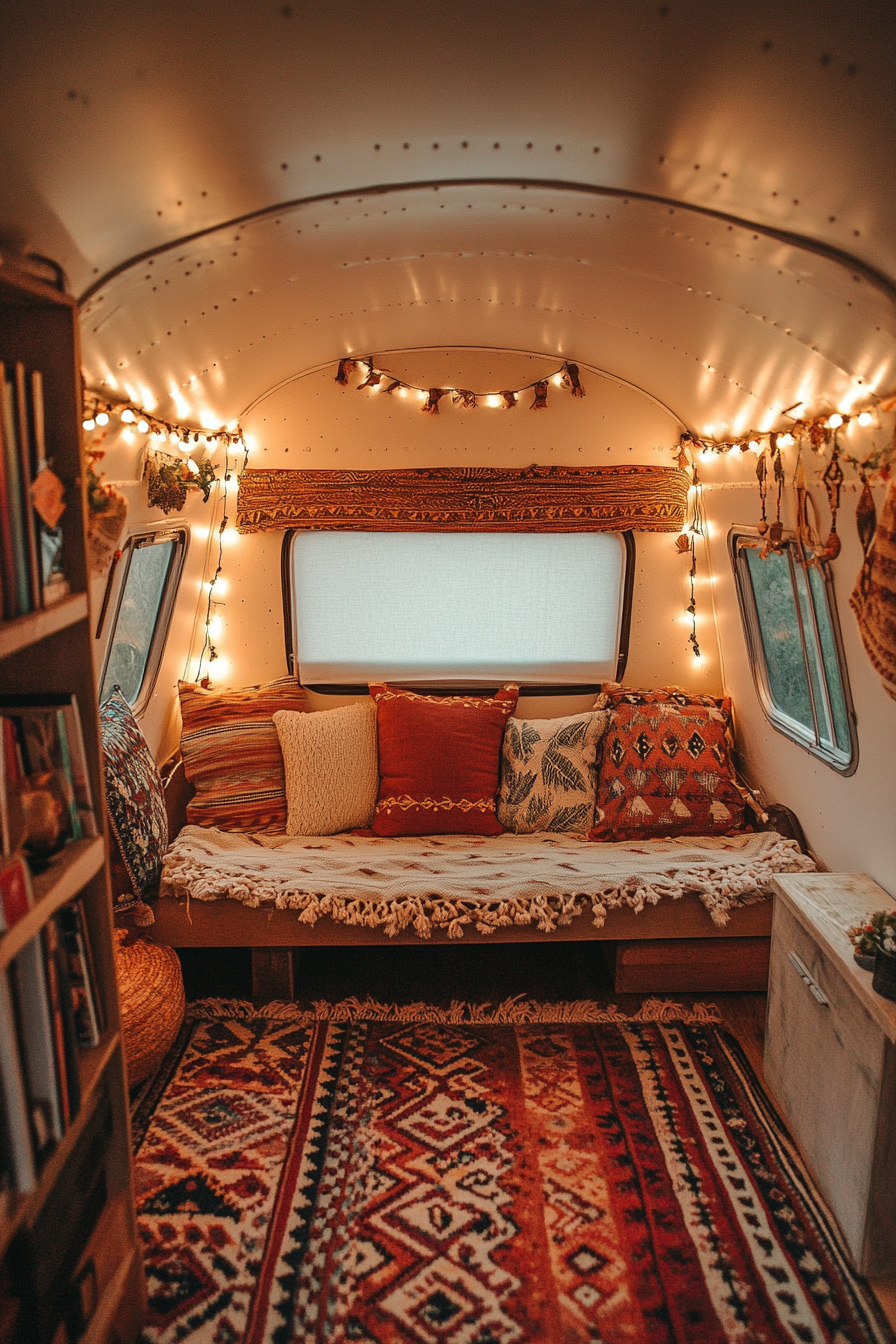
(127, 416)
(199, 531)
(89, 424)
(785, 440)
(158, 434)
(557, 379)
(835, 421)
(493, 401)
(222, 666)
(421, 395)
(142, 426)
(755, 446)
(173, 437)
(221, 584)
(402, 391)
(102, 418)
(215, 626)
(229, 536)
(705, 454)
(375, 387)
(192, 467)
(866, 418)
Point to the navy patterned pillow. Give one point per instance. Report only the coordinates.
(134, 797)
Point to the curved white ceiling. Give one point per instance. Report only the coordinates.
(127, 129)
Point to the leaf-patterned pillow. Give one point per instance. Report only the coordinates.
(548, 775)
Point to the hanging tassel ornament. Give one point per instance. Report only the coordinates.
(572, 381)
(509, 400)
(775, 542)
(342, 372)
(833, 481)
(431, 405)
(393, 386)
(810, 543)
(541, 396)
(762, 478)
(866, 524)
(373, 378)
(464, 397)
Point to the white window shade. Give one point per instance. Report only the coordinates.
(457, 608)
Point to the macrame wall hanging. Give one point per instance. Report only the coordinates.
(466, 499)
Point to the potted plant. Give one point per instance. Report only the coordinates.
(874, 944)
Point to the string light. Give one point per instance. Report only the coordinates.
(99, 411)
(217, 587)
(817, 428)
(373, 378)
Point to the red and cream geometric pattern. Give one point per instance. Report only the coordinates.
(445, 1182)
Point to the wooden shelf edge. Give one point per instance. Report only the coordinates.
(70, 870)
(26, 630)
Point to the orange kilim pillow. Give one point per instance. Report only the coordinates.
(439, 760)
(232, 754)
(666, 771)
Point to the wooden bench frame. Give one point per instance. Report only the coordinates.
(669, 947)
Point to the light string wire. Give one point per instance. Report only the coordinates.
(98, 410)
(565, 375)
(208, 646)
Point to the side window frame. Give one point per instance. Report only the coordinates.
(628, 588)
(739, 540)
(117, 584)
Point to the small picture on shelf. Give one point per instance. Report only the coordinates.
(46, 773)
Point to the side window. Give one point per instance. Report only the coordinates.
(149, 570)
(793, 637)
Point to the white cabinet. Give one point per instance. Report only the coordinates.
(830, 1056)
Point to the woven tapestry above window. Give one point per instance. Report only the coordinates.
(465, 499)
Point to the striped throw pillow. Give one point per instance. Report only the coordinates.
(232, 754)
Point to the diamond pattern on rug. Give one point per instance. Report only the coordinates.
(430, 1183)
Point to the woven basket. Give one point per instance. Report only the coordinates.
(151, 993)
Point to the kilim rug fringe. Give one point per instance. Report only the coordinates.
(511, 1010)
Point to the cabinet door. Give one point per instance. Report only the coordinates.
(824, 1064)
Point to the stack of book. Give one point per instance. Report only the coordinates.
(49, 1011)
(31, 573)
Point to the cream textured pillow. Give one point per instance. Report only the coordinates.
(330, 764)
(548, 777)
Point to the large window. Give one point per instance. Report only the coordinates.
(147, 579)
(793, 638)
(457, 608)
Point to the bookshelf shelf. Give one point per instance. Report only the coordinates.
(24, 631)
(69, 871)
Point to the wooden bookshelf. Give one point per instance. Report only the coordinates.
(50, 650)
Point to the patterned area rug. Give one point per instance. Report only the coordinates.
(555, 1173)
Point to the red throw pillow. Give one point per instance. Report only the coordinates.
(440, 758)
(666, 771)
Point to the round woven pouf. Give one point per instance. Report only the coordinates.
(151, 993)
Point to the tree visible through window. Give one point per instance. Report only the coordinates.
(793, 636)
(151, 570)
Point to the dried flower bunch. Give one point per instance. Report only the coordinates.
(878, 933)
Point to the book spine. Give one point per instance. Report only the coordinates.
(65, 761)
(14, 498)
(27, 467)
(69, 1034)
(54, 996)
(75, 942)
(80, 775)
(7, 553)
(15, 891)
(14, 1098)
(38, 1054)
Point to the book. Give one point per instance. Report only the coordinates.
(7, 556)
(12, 778)
(65, 1043)
(28, 470)
(81, 974)
(28, 982)
(15, 891)
(47, 493)
(15, 1104)
(14, 498)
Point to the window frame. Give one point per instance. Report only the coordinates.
(740, 539)
(625, 625)
(117, 582)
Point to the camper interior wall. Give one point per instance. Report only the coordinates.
(310, 421)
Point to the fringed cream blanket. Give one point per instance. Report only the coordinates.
(447, 881)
